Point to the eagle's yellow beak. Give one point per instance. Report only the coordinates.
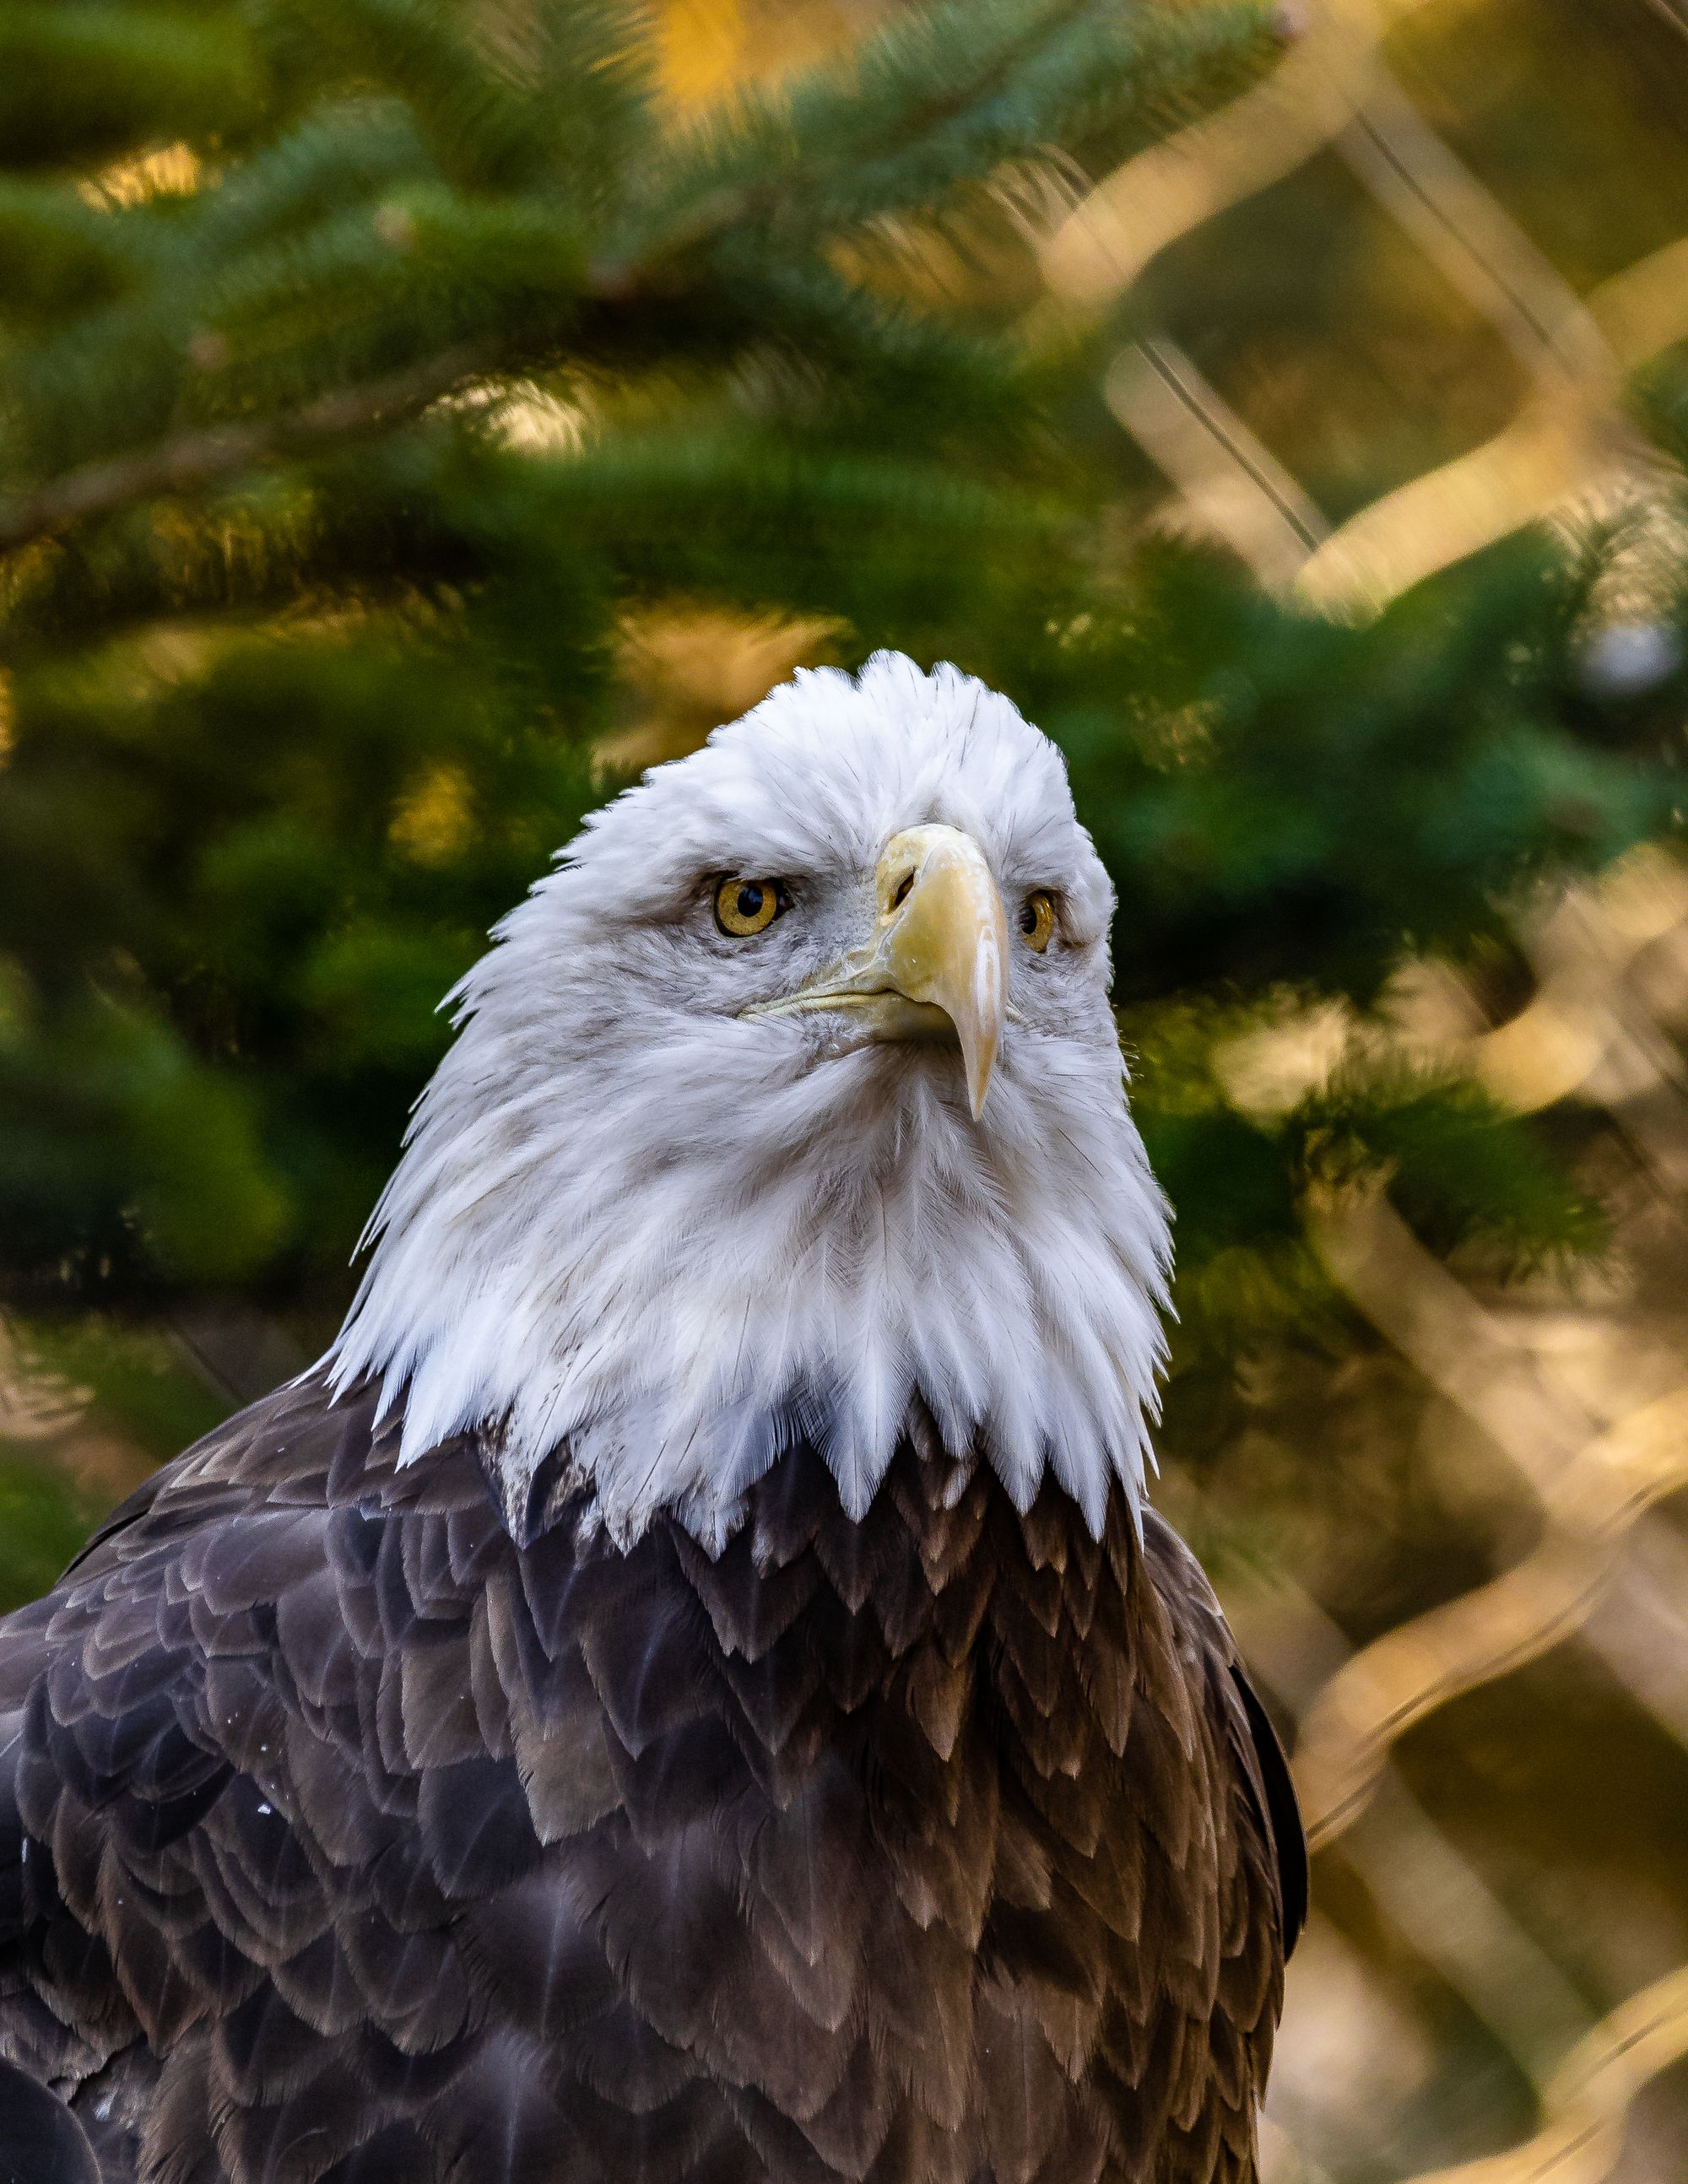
(936, 967)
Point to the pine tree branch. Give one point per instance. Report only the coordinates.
(726, 209)
(834, 115)
(191, 459)
(926, 101)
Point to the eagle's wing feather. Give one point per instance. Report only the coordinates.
(1264, 1781)
(1266, 1771)
(41, 2141)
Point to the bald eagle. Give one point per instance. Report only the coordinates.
(687, 1690)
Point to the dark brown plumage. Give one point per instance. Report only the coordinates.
(345, 1836)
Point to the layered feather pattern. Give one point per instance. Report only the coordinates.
(349, 1837)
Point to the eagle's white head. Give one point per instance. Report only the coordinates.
(791, 1098)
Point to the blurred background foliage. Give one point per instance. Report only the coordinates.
(418, 415)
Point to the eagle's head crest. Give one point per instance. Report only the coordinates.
(792, 1099)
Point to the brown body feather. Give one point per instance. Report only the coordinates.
(346, 1839)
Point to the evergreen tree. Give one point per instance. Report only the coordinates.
(370, 367)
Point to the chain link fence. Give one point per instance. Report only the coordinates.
(1587, 1404)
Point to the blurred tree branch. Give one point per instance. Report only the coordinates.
(189, 461)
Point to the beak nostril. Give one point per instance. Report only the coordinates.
(903, 887)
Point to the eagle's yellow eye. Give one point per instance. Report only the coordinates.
(742, 906)
(1036, 919)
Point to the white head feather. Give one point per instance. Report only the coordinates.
(635, 1226)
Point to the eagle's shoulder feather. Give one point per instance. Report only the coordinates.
(1263, 1780)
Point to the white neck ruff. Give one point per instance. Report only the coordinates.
(659, 1240)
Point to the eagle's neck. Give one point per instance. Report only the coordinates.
(658, 1309)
